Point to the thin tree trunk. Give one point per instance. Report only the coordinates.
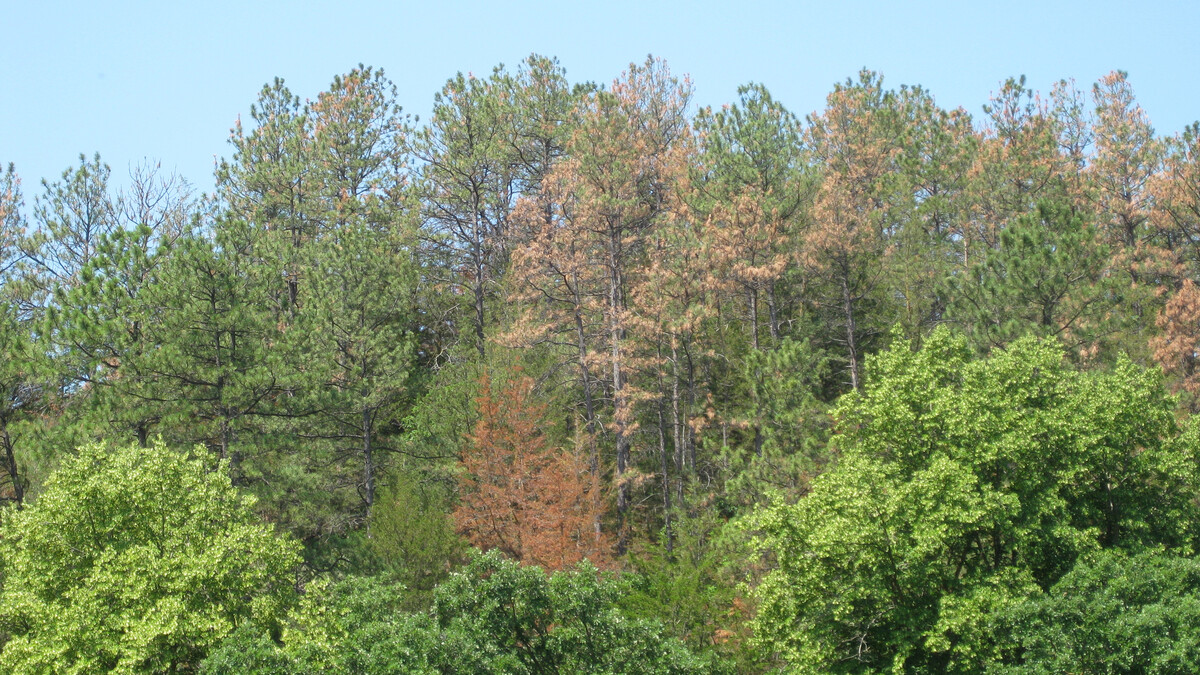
(851, 329)
(1112, 516)
(666, 477)
(774, 313)
(677, 426)
(224, 442)
(293, 282)
(478, 289)
(480, 340)
(589, 409)
(10, 465)
(368, 461)
(689, 435)
(662, 456)
(752, 305)
(621, 441)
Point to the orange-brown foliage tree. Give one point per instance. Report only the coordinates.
(1175, 220)
(537, 503)
(1019, 162)
(1127, 157)
(584, 243)
(1121, 174)
(1175, 348)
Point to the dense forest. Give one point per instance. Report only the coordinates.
(578, 377)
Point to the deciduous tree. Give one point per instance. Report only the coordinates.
(136, 559)
(962, 487)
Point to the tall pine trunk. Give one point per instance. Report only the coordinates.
(851, 329)
(621, 440)
(10, 466)
(368, 462)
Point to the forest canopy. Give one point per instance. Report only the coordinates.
(587, 377)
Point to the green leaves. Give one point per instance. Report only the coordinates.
(135, 559)
(493, 616)
(1113, 613)
(964, 486)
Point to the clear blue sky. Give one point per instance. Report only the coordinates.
(166, 79)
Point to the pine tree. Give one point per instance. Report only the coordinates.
(20, 384)
(1175, 346)
(1019, 163)
(757, 189)
(585, 236)
(1127, 157)
(71, 217)
(212, 330)
(1048, 276)
(98, 322)
(356, 338)
(855, 142)
(267, 182)
(534, 502)
(468, 184)
(928, 218)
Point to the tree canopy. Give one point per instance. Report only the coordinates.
(964, 486)
(136, 559)
(596, 377)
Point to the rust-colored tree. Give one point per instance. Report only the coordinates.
(753, 189)
(671, 302)
(1175, 225)
(535, 502)
(1127, 157)
(584, 244)
(1175, 215)
(1175, 348)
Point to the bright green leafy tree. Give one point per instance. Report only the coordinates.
(135, 560)
(964, 486)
